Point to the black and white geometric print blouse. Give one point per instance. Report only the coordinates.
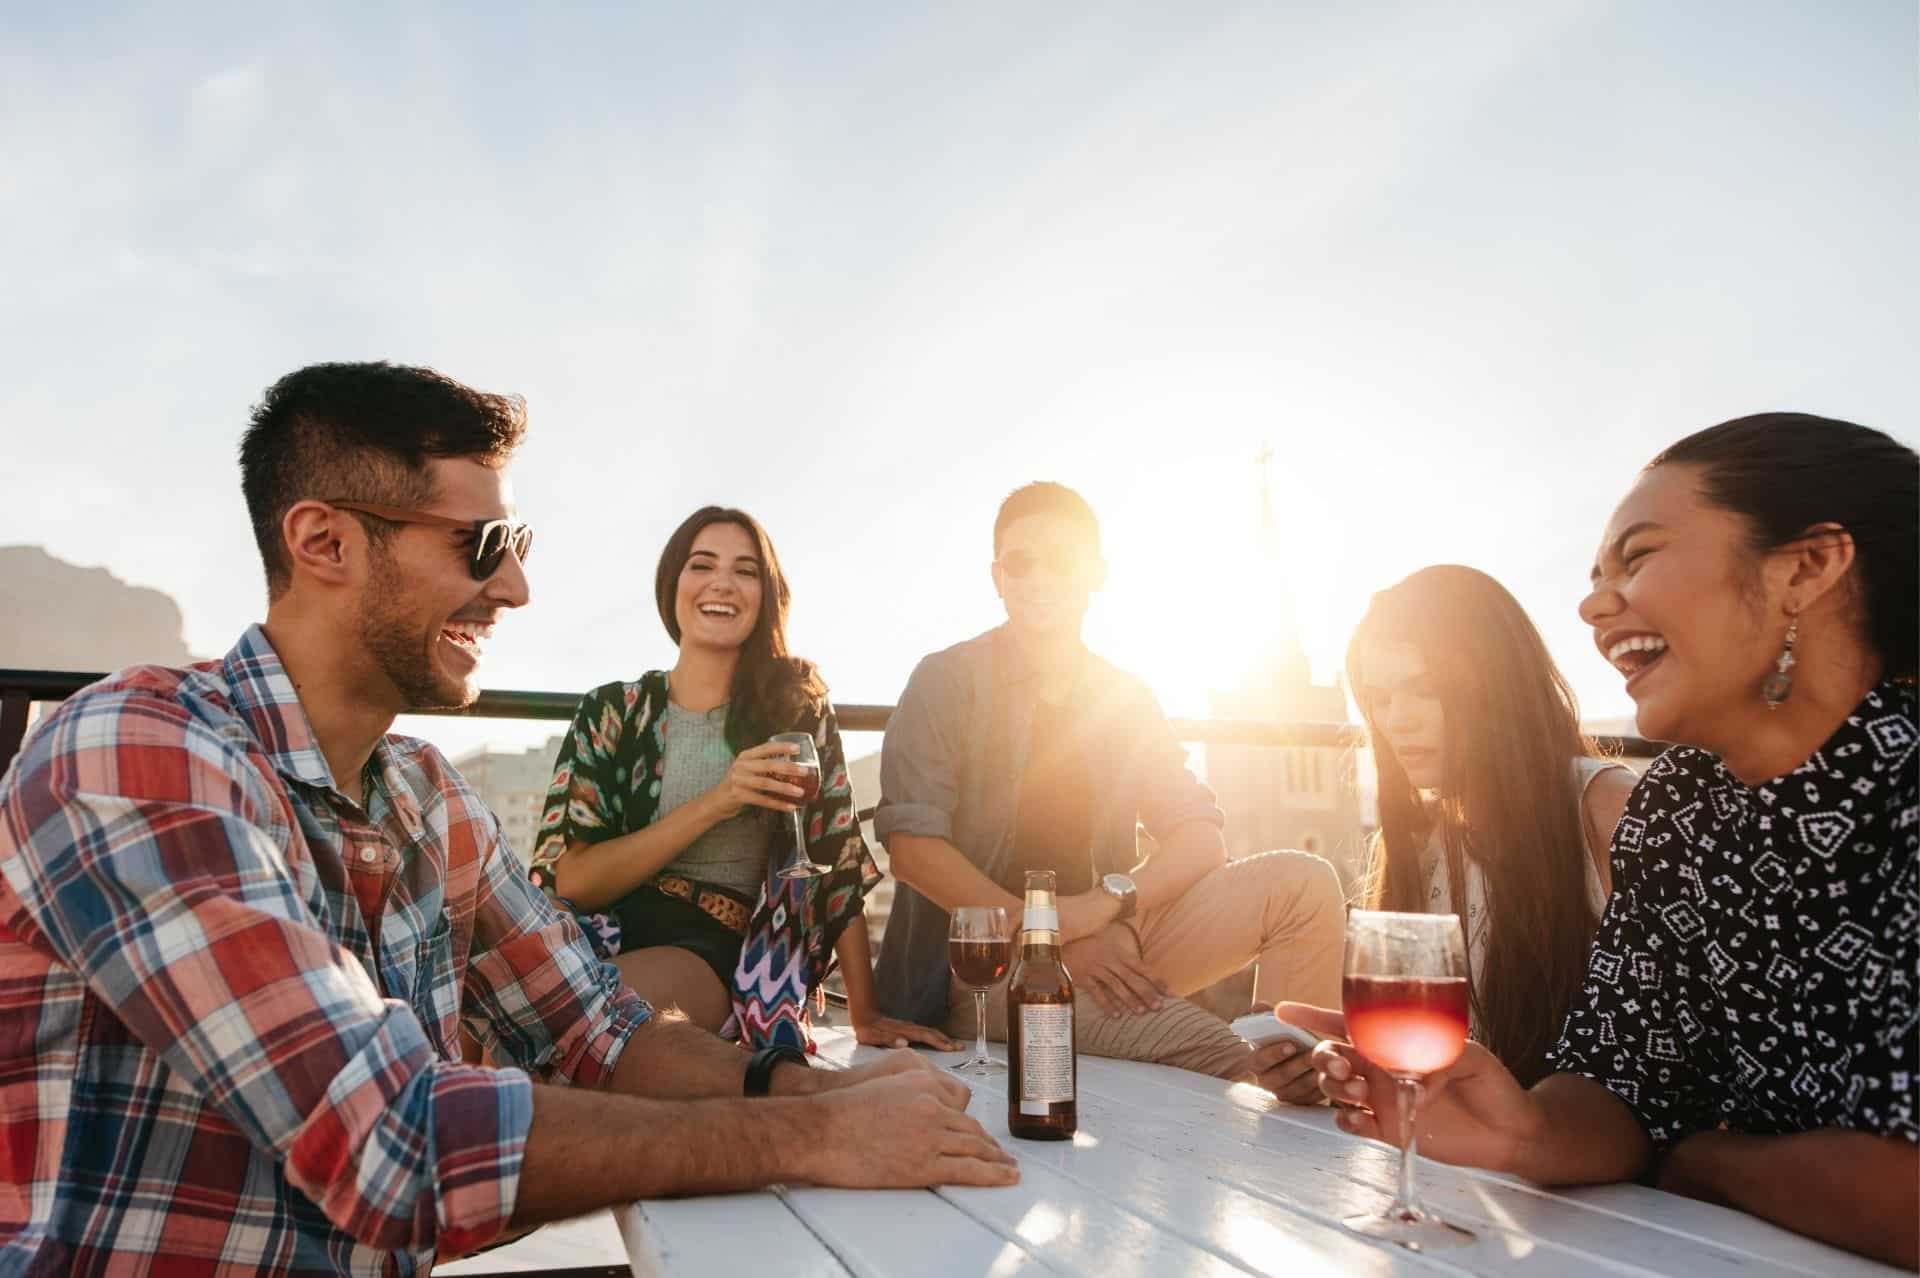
(1758, 963)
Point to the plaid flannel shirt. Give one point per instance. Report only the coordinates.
(208, 1062)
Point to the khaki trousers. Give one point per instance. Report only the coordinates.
(1283, 910)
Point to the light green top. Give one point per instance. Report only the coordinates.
(734, 852)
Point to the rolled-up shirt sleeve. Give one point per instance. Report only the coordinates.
(1168, 795)
(921, 756)
(538, 993)
(150, 857)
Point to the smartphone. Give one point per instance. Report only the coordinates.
(1261, 1028)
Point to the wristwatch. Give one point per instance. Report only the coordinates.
(761, 1064)
(1120, 888)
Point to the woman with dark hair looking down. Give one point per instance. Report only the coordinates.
(669, 810)
(1493, 805)
(1746, 1032)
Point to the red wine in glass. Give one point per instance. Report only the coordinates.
(807, 777)
(1404, 993)
(980, 948)
(1407, 1024)
(800, 768)
(979, 964)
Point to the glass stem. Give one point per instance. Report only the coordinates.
(1407, 1205)
(800, 859)
(980, 1025)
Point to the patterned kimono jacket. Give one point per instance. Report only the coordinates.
(606, 783)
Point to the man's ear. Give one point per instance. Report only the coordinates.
(999, 585)
(1817, 562)
(322, 542)
(1097, 579)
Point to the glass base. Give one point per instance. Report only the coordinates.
(807, 871)
(1415, 1230)
(978, 1067)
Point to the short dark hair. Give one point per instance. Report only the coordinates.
(1043, 497)
(1787, 472)
(362, 432)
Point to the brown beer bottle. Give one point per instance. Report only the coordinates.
(1043, 1066)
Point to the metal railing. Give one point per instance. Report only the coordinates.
(19, 689)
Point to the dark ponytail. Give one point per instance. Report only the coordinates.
(1787, 472)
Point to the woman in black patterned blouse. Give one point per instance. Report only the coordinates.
(1747, 1031)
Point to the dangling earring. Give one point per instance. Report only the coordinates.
(1778, 686)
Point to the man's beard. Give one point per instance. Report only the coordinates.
(396, 647)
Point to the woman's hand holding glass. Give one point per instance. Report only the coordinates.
(1472, 1113)
(758, 778)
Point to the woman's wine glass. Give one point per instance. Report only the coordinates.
(980, 948)
(1405, 998)
(802, 768)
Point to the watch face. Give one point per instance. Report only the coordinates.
(1119, 884)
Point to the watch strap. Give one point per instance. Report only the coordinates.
(761, 1064)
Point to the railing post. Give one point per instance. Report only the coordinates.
(14, 705)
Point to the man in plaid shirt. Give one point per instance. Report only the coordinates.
(241, 925)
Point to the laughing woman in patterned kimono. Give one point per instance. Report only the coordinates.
(1747, 1030)
(668, 813)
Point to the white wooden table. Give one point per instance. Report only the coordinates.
(1175, 1173)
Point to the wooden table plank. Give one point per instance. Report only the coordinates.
(722, 1235)
(1178, 1173)
(1302, 1153)
(875, 1233)
(1640, 1228)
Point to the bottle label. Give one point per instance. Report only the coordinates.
(1046, 1056)
(1040, 918)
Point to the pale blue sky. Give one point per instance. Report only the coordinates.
(863, 269)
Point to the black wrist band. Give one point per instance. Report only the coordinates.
(760, 1068)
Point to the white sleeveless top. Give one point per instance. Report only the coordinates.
(1474, 918)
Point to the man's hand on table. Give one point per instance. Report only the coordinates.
(1108, 966)
(799, 1080)
(887, 1031)
(901, 1123)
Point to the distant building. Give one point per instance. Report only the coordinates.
(1301, 797)
(514, 785)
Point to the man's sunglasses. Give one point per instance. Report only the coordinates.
(1060, 562)
(492, 538)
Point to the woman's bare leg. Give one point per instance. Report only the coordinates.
(668, 976)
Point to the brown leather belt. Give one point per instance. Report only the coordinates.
(729, 909)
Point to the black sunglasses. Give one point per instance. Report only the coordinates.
(492, 538)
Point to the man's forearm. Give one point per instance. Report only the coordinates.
(941, 872)
(1851, 1189)
(668, 1058)
(1191, 852)
(586, 1149)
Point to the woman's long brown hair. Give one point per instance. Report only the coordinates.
(1508, 800)
(773, 690)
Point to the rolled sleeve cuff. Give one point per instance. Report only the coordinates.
(923, 819)
(591, 1063)
(477, 1183)
(409, 1152)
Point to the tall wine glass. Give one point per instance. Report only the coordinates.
(803, 769)
(1405, 997)
(980, 948)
